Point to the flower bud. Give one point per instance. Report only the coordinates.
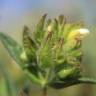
(49, 28)
(23, 56)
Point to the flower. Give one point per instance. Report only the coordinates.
(82, 32)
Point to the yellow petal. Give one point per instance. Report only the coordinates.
(78, 32)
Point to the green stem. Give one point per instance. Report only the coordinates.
(32, 77)
(44, 91)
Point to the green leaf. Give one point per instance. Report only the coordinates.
(55, 29)
(76, 53)
(66, 71)
(69, 73)
(48, 22)
(61, 19)
(29, 45)
(87, 80)
(45, 55)
(57, 84)
(12, 47)
(39, 32)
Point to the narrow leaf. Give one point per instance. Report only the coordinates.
(61, 19)
(67, 83)
(39, 32)
(87, 80)
(29, 45)
(12, 46)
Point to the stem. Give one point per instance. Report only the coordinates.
(44, 91)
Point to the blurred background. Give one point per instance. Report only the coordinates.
(14, 14)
